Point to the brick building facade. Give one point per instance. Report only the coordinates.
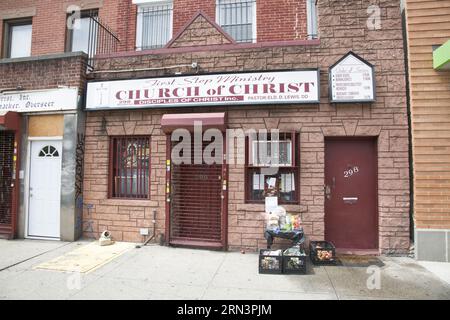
(342, 28)
(281, 42)
(37, 85)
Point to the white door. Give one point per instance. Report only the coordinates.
(45, 189)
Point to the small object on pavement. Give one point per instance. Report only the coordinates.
(105, 239)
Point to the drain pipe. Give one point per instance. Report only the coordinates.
(154, 231)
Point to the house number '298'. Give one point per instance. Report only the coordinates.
(348, 173)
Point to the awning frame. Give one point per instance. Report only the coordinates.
(171, 122)
(10, 121)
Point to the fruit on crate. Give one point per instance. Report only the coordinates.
(324, 255)
(294, 263)
(270, 263)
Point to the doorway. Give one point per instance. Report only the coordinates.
(44, 193)
(197, 202)
(351, 201)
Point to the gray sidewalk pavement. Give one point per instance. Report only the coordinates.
(156, 272)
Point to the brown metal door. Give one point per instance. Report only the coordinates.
(351, 206)
(6, 175)
(196, 217)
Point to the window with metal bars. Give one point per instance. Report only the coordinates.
(311, 10)
(130, 167)
(238, 18)
(282, 156)
(154, 25)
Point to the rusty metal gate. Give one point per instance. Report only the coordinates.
(197, 204)
(6, 174)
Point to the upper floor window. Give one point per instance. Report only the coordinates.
(311, 10)
(17, 38)
(154, 23)
(238, 18)
(82, 33)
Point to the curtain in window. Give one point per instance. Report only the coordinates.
(131, 167)
(20, 41)
(236, 18)
(154, 26)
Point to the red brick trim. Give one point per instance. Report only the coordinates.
(188, 24)
(222, 47)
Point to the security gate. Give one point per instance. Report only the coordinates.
(6, 181)
(197, 204)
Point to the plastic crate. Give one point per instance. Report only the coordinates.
(270, 264)
(316, 249)
(294, 264)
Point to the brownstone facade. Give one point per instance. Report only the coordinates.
(342, 28)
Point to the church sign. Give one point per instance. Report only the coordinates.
(206, 90)
(352, 79)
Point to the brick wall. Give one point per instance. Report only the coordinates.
(284, 21)
(45, 73)
(342, 28)
(200, 32)
(281, 21)
(126, 25)
(184, 10)
(49, 19)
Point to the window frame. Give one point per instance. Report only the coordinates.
(254, 21)
(7, 34)
(312, 20)
(294, 168)
(69, 32)
(139, 24)
(111, 176)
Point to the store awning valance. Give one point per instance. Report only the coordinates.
(171, 122)
(9, 120)
(441, 57)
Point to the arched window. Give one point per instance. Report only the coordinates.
(48, 151)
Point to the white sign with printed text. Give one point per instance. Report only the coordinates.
(37, 101)
(203, 90)
(352, 80)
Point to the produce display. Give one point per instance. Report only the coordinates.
(294, 260)
(324, 254)
(270, 263)
(271, 260)
(278, 219)
(295, 263)
(294, 251)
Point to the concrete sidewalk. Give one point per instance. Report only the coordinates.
(155, 272)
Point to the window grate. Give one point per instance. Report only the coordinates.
(237, 18)
(196, 203)
(6, 172)
(154, 25)
(130, 167)
(312, 25)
